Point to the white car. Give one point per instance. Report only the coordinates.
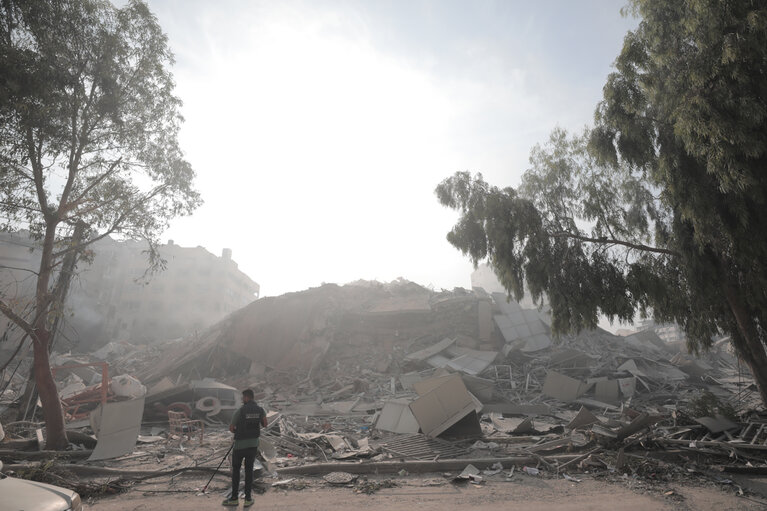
(23, 495)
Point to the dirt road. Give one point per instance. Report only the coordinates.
(435, 494)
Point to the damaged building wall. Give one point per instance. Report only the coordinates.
(365, 326)
(113, 299)
(195, 290)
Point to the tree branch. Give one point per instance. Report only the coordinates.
(19, 269)
(75, 154)
(19, 206)
(103, 235)
(116, 224)
(5, 309)
(95, 182)
(21, 173)
(606, 241)
(37, 171)
(16, 352)
(91, 209)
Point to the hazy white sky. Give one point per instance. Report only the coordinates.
(320, 129)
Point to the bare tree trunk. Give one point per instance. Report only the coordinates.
(46, 388)
(61, 289)
(56, 438)
(748, 345)
(58, 298)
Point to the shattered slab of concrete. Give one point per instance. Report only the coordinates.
(522, 329)
(583, 418)
(473, 362)
(716, 424)
(442, 406)
(395, 416)
(562, 387)
(117, 427)
(430, 351)
(607, 391)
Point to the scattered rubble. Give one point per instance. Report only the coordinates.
(394, 378)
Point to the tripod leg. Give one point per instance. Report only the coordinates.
(204, 488)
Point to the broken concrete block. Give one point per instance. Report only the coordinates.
(117, 426)
(563, 387)
(396, 417)
(408, 379)
(607, 391)
(583, 418)
(425, 386)
(627, 386)
(513, 425)
(480, 387)
(473, 362)
(434, 349)
(485, 319)
(470, 473)
(717, 424)
(442, 407)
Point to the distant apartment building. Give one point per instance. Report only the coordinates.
(195, 290)
(115, 299)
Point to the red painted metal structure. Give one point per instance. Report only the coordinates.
(80, 405)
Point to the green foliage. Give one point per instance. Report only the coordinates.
(687, 105)
(88, 139)
(659, 207)
(88, 120)
(535, 239)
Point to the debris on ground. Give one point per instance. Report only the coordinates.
(396, 376)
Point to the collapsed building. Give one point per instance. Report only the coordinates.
(378, 372)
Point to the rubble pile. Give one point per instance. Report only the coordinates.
(381, 378)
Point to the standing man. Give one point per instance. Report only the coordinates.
(246, 426)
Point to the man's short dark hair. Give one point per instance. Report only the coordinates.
(248, 393)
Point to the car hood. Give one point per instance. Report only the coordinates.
(23, 495)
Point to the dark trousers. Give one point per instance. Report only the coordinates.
(249, 456)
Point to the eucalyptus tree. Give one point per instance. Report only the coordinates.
(659, 207)
(88, 135)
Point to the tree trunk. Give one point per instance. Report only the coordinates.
(749, 345)
(46, 388)
(56, 438)
(58, 299)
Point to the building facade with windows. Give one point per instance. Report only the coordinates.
(194, 290)
(114, 298)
